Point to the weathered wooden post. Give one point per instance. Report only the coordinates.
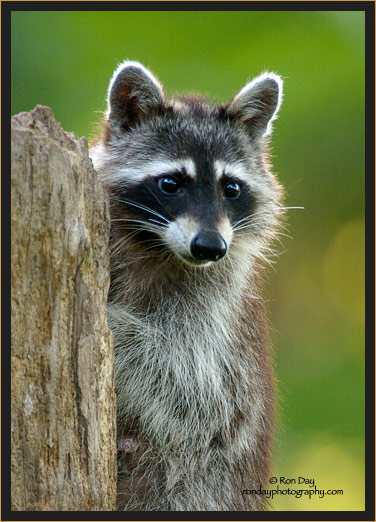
(63, 401)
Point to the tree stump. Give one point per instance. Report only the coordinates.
(63, 401)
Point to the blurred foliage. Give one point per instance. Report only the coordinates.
(65, 59)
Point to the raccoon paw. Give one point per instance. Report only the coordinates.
(127, 445)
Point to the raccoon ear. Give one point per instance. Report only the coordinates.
(132, 95)
(257, 104)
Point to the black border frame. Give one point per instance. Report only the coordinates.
(7, 7)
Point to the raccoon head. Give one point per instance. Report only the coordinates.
(186, 177)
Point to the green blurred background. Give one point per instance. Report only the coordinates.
(316, 293)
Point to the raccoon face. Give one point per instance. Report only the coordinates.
(192, 208)
(187, 178)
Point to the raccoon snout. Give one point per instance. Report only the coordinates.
(208, 246)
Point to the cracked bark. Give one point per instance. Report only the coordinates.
(63, 401)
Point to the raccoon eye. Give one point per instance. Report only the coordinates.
(169, 185)
(232, 190)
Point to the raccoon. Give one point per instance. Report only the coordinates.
(194, 209)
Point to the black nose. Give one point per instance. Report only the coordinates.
(208, 246)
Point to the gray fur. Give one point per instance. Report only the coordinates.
(194, 383)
